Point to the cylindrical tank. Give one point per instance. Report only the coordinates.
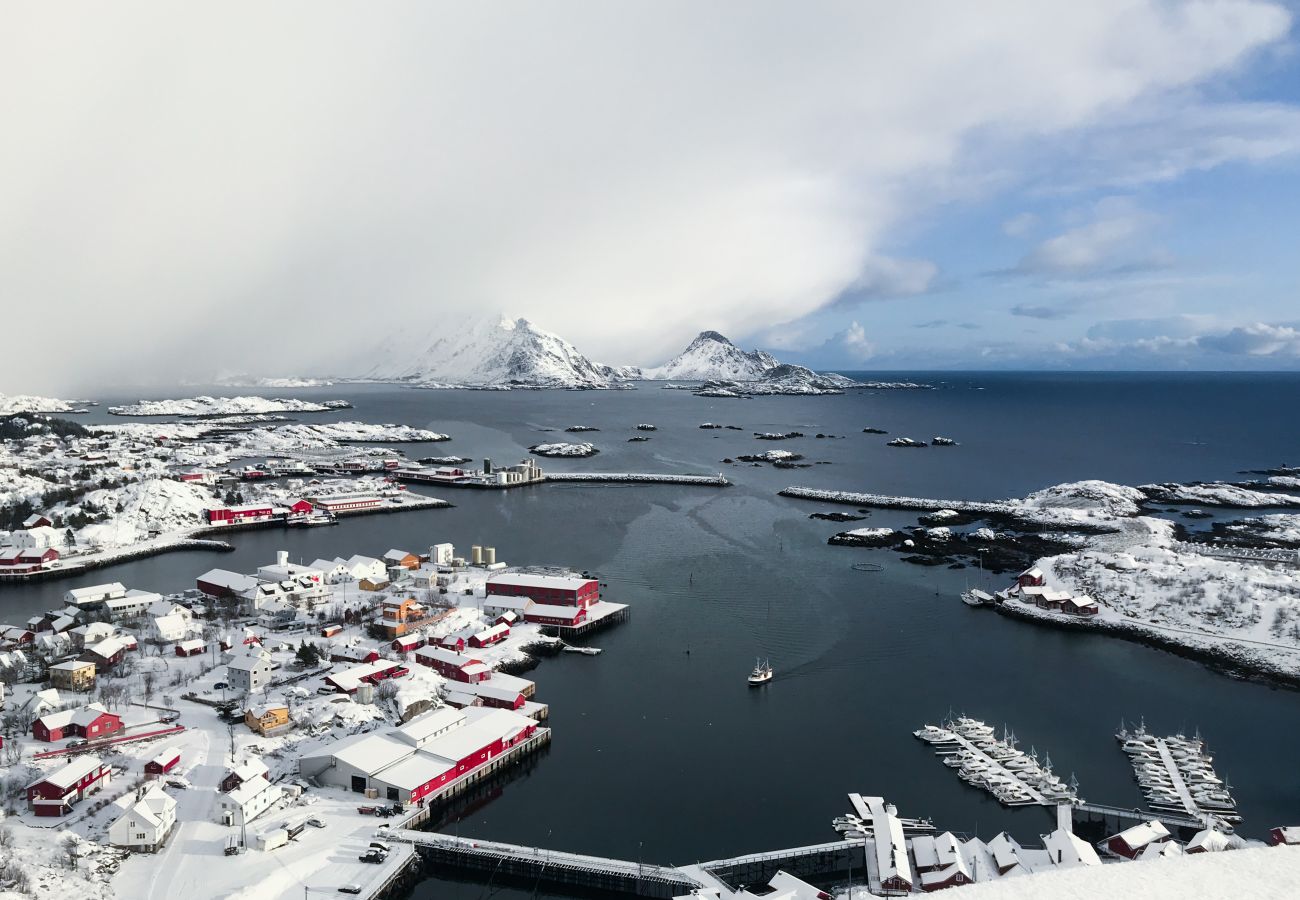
(476, 555)
(490, 556)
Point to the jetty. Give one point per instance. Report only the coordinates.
(718, 480)
(885, 501)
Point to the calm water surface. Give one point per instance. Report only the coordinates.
(661, 749)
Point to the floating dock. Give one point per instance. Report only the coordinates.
(1012, 777)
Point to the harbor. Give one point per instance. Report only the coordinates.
(1176, 774)
(994, 764)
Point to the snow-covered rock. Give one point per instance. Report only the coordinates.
(564, 450)
(711, 357)
(500, 353)
(153, 505)
(13, 404)
(223, 406)
(1091, 495)
(1217, 494)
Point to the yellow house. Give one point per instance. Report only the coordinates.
(372, 584)
(267, 718)
(73, 675)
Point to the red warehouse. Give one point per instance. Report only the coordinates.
(549, 590)
(55, 794)
(235, 515)
(555, 615)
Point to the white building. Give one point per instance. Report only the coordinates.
(146, 823)
(248, 673)
(441, 554)
(38, 538)
(283, 570)
(133, 604)
(169, 628)
(96, 593)
(248, 801)
(359, 567)
(333, 570)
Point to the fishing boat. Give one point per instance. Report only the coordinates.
(976, 597)
(762, 673)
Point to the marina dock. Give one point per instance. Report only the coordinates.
(1175, 774)
(1013, 777)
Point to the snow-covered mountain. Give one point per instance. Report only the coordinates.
(711, 357)
(490, 352)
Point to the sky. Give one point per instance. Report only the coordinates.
(193, 189)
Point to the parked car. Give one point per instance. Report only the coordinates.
(373, 856)
(380, 846)
(168, 718)
(350, 889)
(79, 742)
(315, 823)
(220, 686)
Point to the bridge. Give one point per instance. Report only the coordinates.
(817, 862)
(539, 865)
(1136, 815)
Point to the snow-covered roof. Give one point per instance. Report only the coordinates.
(1143, 834)
(370, 753)
(1005, 850)
(155, 806)
(397, 555)
(1161, 849)
(923, 851)
(88, 714)
(191, 644)
(250, 769)
(552, 611)
(248, 662)
(492, 633)
(482, 726)
(73, 665)
(108, 647)
(351, 678)
(72, 773)
(1065, 849)
(429, 725)
(231, 581)
(95, 592)
(249, 789)
(514, 604)
(527, 579)
(443, 655)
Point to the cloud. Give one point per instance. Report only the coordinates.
(1020, 225)
(1257, 339)
(1041, 312)
(853, 342)
(1114, 241)
(197, 194)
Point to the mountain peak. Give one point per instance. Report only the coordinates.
(711, 336)
(712, 357)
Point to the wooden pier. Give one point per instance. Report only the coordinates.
(818, 862)
(537, 865)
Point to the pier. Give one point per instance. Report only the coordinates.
(820, 862)
(537, 865)
(1136, 816)
(637, 478)
(997, 767)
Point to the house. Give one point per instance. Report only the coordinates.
(145, 825)
(248, 801)
(56, 793)
(548, 590)
(248, 673)
(267, 718)
(90, 722)
(401, 559)
(243, 773)
(169, 628)
(1133, 841)
(489, 636)
(373, 584)
(37, 520)
(452, 665)
(954, 874)
(283, 570)
(1209, 840)
(91, 633)
(333, 570)
(73, 675)
(353, 654)
(1067, 850)
(1284, 836)
(1081, 606)
(407, 643)
(496, 696)
(133, 604)
(1031, 578)
(164, 762)
(442, 554)
(192, 647)
(337, 504)
(107, 653)
(455, 641)
(329, 631)
(1006, 854)
(360, 567)
(509, 617)
(349, 680)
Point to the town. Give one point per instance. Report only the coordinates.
(281, 712)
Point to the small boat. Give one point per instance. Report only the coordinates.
(588, 651)
(976, 598)
(762, 673)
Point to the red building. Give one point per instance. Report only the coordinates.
(192, 647)
(1132, 841)
(38, 556)
(489, 636)
(353, 654)
(234, 515)
(300, 508)
(89, 722)
(1288, 835)
(452, 665)
(330, 630)
(548, 590)
(567, 616)
(408, 642)
(164, 762)
(470, 761)
(1031, 578)
(344, 503)
(453, 642)
(55, 794)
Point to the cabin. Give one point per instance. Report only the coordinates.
(489, 636)
(1081, 606)
(164, 762)
(330, 631)
(408, 642)
(373, 585)
(1131, 842)
(1284, 836)
(58, 792)
(37, 520)
(1031, 578)
(1208, 840)
(192, 647)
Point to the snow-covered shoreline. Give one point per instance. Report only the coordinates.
(224, 406)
